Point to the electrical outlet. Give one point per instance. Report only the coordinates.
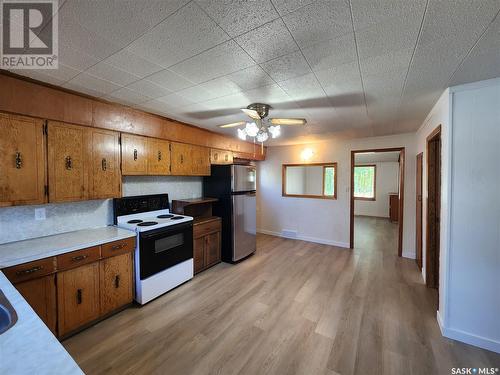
(40, 214)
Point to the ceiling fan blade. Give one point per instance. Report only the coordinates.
(288, 121)
(232, 124)
(252, 113)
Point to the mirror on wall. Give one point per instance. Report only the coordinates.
(318, 180)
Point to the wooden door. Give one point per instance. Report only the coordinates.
(181, 159)
(212, 249)
(418, 243)
(134, 155)
(104, 155)
(41, 296)
(116, 282)
(22, 161)
(198, 254)
(158, 157)
(67, 162)
(77, 297)
(393, 208)
(201, 161)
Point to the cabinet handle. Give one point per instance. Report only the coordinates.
(117, 281)
(104, 164)
(159, 155)
(19, 160)
(79, 258)
(28, 271)
(79, 293)
(226, 157)
(216, 156)
(135, 154)
(69, 163)
(182, 159)
(118, 247)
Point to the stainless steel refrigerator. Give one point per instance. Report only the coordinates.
(234, 186)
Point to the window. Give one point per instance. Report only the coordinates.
(317, 180)
(364, 182)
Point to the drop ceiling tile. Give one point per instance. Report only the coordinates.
(154, 106)
(111, 73)
(286, 67)
(39, 75)
(273, 95)
(53, 76)
(370, 13)
(82, 90)
(322, 20)
(149, 89)
(268, 41)
(175, 101)
(234, 101)
(331, 53)
(347, 74)
(218, 61)
(127, 96)
(239, 16)
(182, 35)
(75, 58)
(169, 80)
(303, 87)
(251, 78)
(220, 87)
(394, 61)
(289, 6)
(196, 94)
(90, 82)
(132, 63)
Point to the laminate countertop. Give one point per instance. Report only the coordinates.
(14, 253)
(29, 347)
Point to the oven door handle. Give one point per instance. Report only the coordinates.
(160, 233)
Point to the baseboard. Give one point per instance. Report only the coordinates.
(408, 254)
(468, 338)
(306, 238)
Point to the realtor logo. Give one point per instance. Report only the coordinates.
(29, 34)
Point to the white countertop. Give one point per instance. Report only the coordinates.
(15, 253)
(29, 347)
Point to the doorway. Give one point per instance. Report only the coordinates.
(418, 240)
(433, 208)
(399, 193)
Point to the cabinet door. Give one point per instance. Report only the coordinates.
(201, 161)
(158, 157)
(68, 167)
(41, 295)
(228, 157)
(221, 156)
(22, 161)
(199, 254)
(104, 155)
(212, 249)
(181, 159)
(134, 155)
(116, 282)
(77, 297)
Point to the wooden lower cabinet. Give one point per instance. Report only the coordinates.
(40, 293)
(207, 244)
(78, 297)
(116, 282)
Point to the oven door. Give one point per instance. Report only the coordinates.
(163, 248)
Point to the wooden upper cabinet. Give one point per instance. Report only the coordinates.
(181, 159)
(158, 157)
(22, 161)
(134, 155)
(221, 156)
(67, 162)
(104, 157)
(201, 161)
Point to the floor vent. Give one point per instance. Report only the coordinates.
(289, 233)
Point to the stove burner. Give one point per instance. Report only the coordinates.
(165, 216)
(135, 221)
(147, 223)
(177, 218)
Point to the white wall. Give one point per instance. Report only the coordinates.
(387, 181)
(18, 223)
(324, 220)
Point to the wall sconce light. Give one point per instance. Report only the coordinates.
(307, 154)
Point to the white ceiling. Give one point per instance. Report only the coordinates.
(374, 157)
(366, 67)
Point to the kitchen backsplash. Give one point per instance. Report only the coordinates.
(18, 223)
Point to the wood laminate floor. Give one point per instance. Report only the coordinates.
(293, 308)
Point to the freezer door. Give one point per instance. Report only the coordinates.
(244, 225)
(243, 178)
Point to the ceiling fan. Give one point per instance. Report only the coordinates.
(262, 127)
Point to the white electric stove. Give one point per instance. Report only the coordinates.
(164, 246)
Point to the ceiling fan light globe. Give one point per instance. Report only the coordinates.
(262, 136)
(275, 131)
(251, 129)
(242, 134)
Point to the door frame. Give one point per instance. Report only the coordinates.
(419, 159)
(402, 161)
(429, 267)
